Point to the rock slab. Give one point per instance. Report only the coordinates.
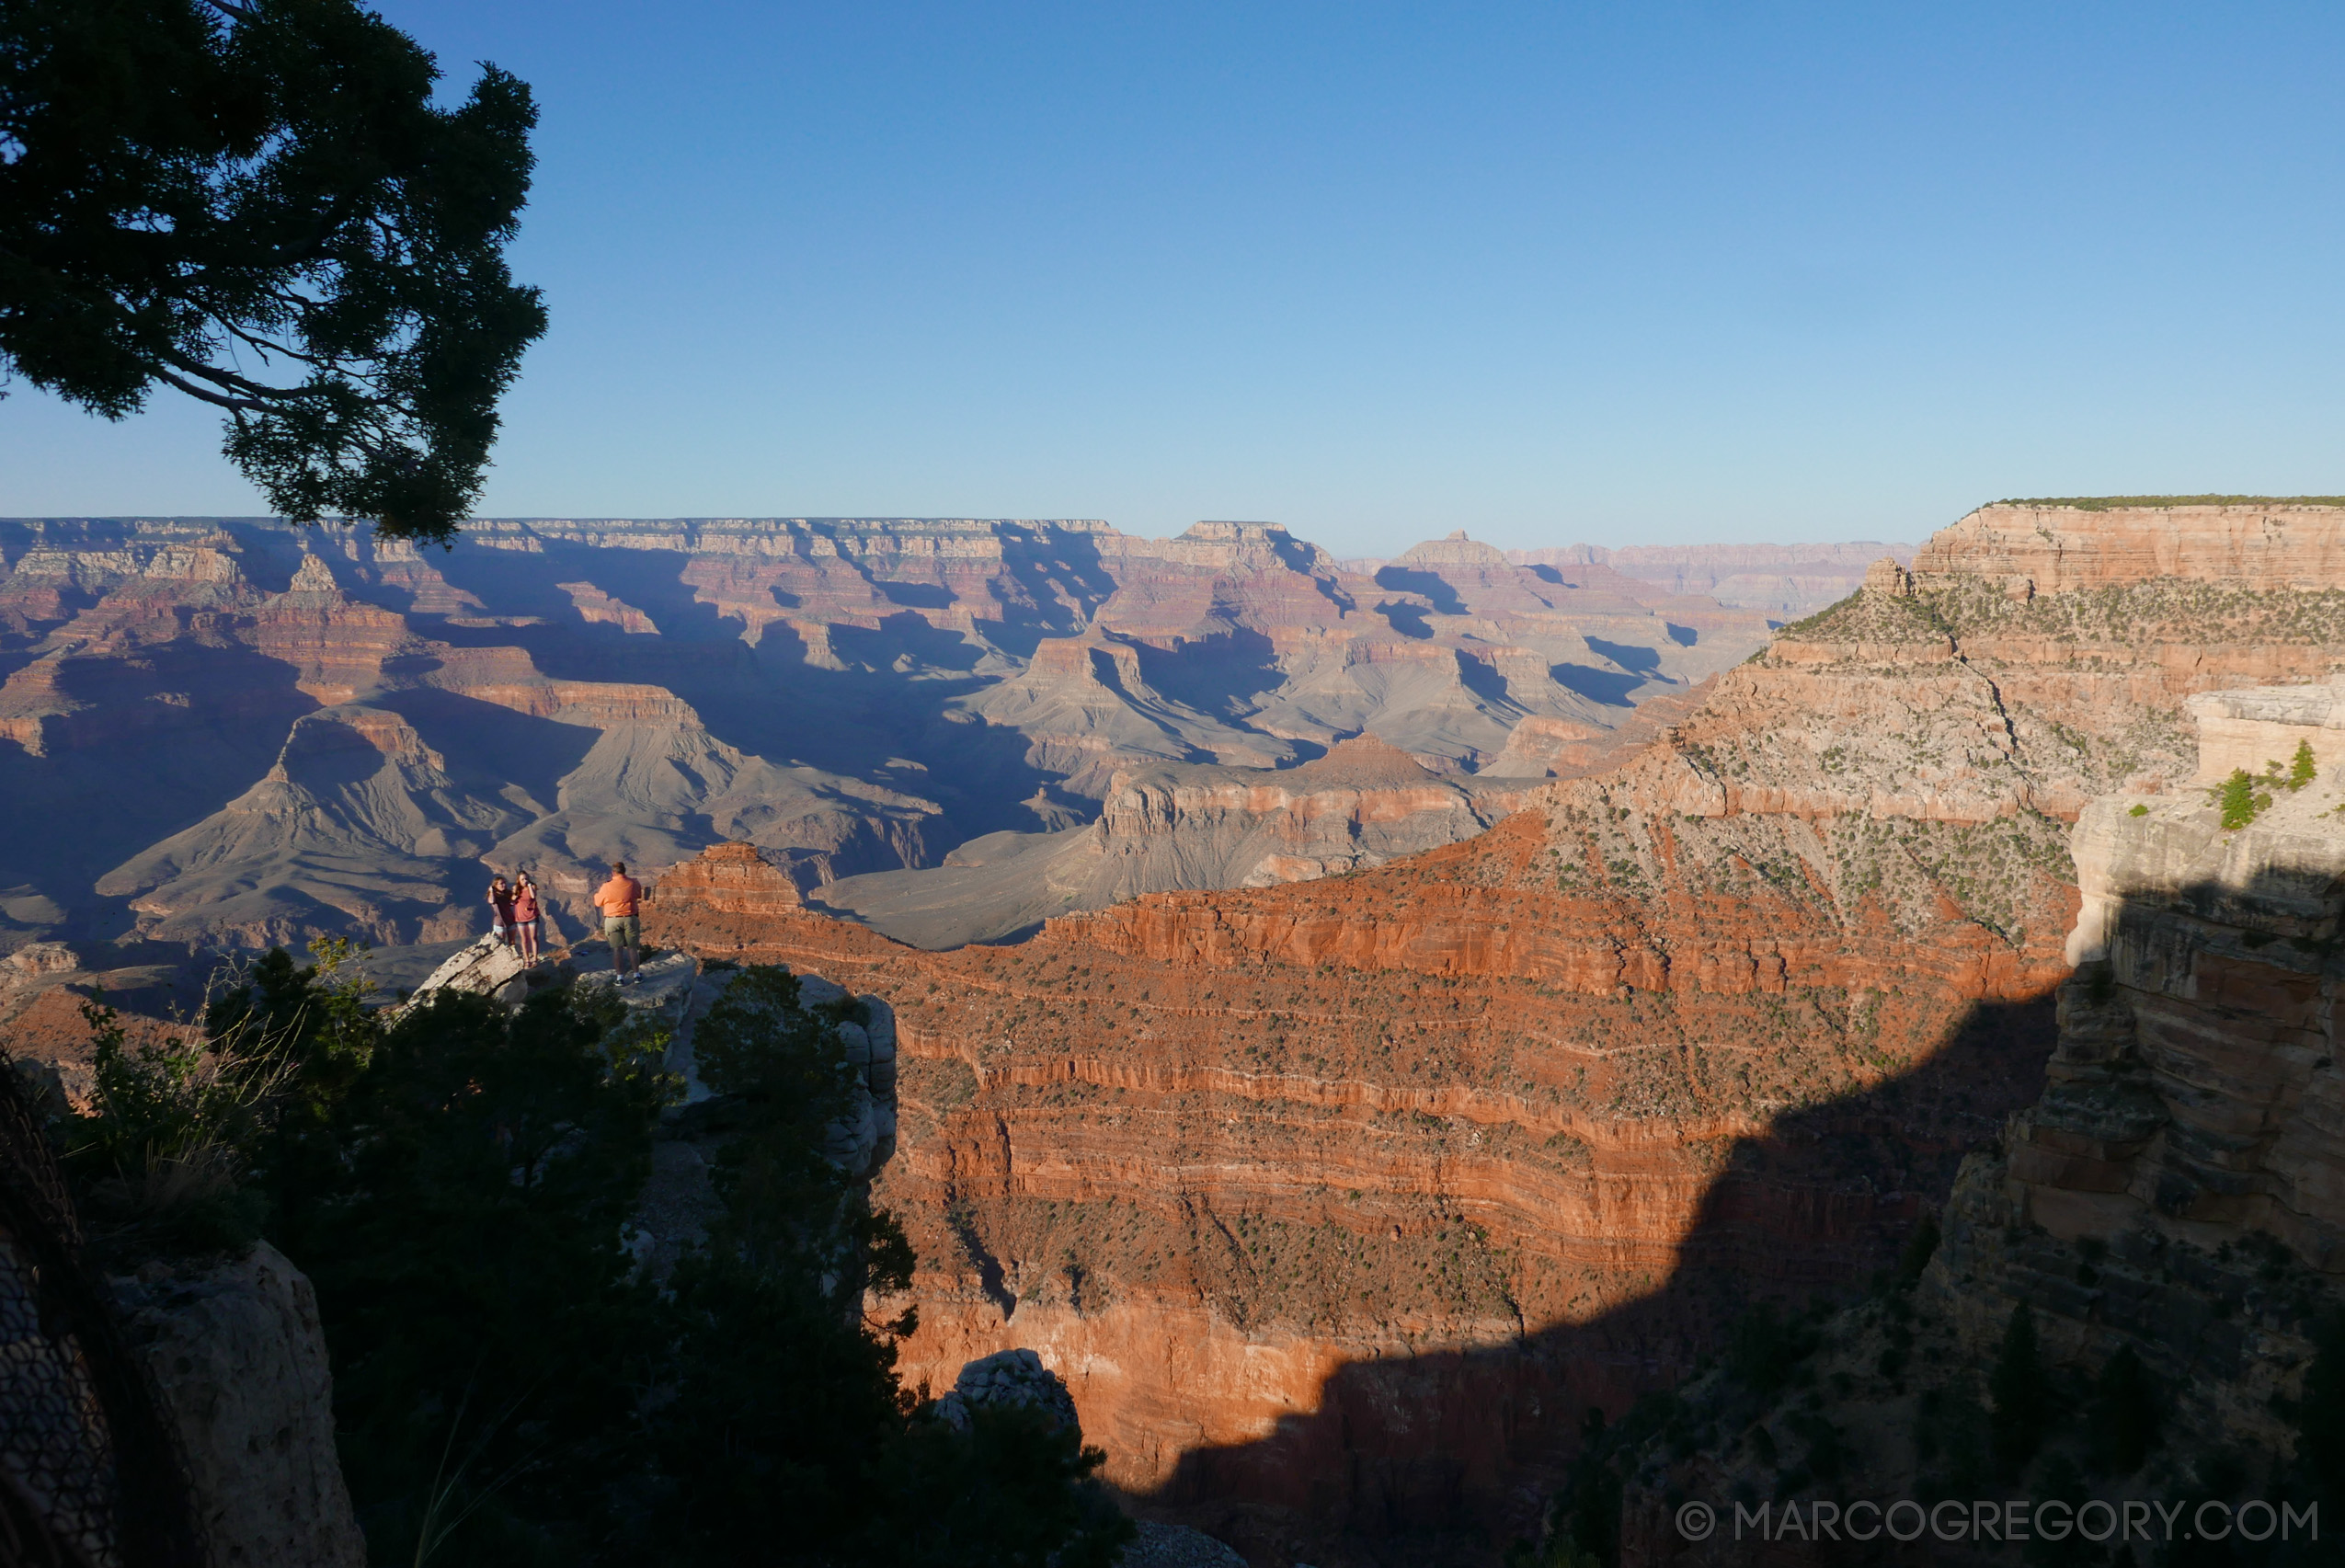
(239, 1357)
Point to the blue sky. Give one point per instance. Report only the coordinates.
(1624, 273)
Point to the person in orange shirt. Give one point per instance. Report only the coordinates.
(618, 898)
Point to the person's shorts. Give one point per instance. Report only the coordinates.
(623, 931)
(498, 928)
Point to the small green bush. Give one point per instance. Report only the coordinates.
(2138, 811)
(2239, 799)
(2301, 771)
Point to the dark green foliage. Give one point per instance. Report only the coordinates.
(2124, 1414)
(790, 1434)
(786, 1071)
(2301, 769)
(508, 1389)
(1827, 1449)
(1765, 1346)
(260, 205)
(315, 1017)
(1951, 1439)
(149, 1101)
(786, 1416)
(1590, 1501)
(1010, 1492)
(2320, 1420)
(466, 1247)
(159, 1161)
(2021, 1389)
(2239, 798)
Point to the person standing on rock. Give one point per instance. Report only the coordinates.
(525, 916)
(500, 910)
(618, 898)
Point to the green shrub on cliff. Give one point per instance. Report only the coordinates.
(2239, 798)
(460, 1210)
(176, 1150)
(159, 1162)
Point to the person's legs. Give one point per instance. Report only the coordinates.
(529, 941)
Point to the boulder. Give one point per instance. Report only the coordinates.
(1008, 1380)
(483, 967)
(238, 1357)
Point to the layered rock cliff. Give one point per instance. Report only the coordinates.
(2170, 1205)
(1339, 1201)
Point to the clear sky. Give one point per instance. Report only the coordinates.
(1632, 272)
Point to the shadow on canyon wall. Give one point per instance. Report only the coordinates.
(1444, 1457)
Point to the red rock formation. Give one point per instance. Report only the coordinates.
(1347, 1196)
(724, 881)
(1216, 1148)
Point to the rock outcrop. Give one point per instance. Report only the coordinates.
(237, 1353)
(2034, 547)
(44, 986)
(2195, 1080)
(1008, 1380)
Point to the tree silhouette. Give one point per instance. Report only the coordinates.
(2022, 1397)
(256, 202)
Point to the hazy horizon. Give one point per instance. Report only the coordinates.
(1173, 532)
